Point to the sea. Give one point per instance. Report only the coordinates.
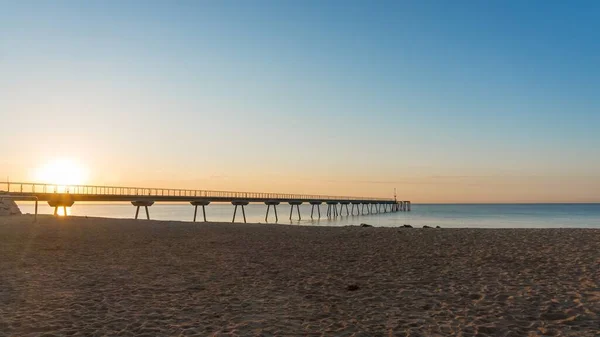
(443, 215)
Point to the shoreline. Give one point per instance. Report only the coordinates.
(81, 276)
(305, 223)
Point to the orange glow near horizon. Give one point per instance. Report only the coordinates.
(420, 186)
(62, 172)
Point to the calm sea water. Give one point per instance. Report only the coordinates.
(459, 215)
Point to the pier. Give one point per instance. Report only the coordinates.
(58, 196)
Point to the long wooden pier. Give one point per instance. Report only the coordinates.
(65, 196)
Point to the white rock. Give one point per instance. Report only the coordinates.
(9, 207)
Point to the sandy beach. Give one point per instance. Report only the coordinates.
(92, 276)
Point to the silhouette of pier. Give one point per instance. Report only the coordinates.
(66, 195)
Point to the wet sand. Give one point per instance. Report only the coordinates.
(91, 276)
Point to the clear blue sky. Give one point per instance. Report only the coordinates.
(445, 100)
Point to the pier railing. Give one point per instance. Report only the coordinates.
(41, 188)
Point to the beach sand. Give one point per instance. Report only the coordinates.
(91, 276)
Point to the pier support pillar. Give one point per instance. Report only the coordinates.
(342, 204)
(61, 200)
(296, 203)
(407, 203)
(312, 209)
(236, 204)
(145, 204)
(202, 203)
(354, 203)
(332, 211)
(269, 204)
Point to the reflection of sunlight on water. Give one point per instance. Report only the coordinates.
(61, 211)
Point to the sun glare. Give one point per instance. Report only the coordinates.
(62, 172)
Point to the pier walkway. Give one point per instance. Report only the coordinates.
(66, 195)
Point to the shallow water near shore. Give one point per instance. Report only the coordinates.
(444, 215)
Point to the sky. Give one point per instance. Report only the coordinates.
(446, 101)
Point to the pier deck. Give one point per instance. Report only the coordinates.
(66, 195)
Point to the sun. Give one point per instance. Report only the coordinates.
(62, 171)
